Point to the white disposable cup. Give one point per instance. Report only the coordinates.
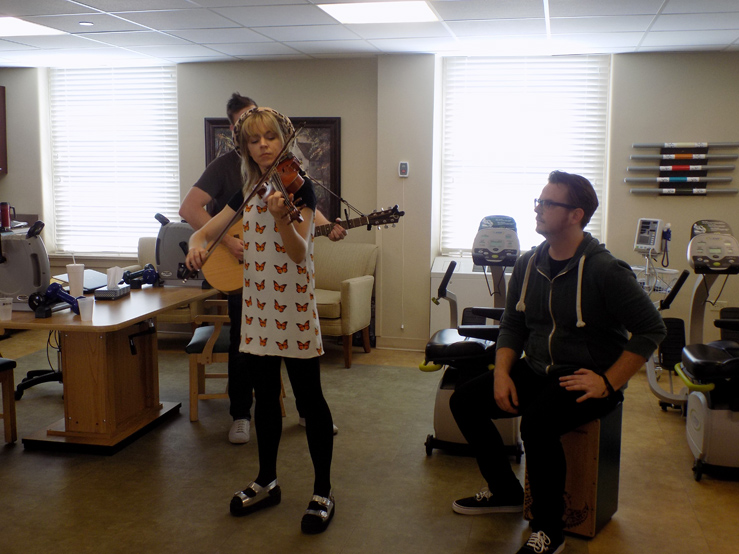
(6, 309)
(76, 278)
(86, 305)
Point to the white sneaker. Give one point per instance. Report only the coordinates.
(301, 422)
(239, 432)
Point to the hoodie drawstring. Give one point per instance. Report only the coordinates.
(521, 305)
(578, 300)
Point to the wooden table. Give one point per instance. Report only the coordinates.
(110, 368)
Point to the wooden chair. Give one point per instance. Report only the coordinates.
(209, 345)
(8, 394)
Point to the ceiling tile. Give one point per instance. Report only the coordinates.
(584, 8)
(171, 20)
(611, 24)
(220, 36)
(700, 6)
(332, 46)
(174, 51)
(697, 22)
(112, 6)
(41, 7)
(253, 49)
(56, 41)
(695, 38)
(393, 30)
(276, 16)
(134, 38)
(487, 9)
(71, 23)
(497, 27)
(308, 32)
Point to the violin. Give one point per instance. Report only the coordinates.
(286, 179)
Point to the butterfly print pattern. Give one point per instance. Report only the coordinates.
(295, 331)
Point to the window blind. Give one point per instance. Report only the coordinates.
(115, 156)
(509, 122)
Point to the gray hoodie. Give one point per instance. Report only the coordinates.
(580, 317)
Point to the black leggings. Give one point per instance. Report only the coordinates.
(305, 378)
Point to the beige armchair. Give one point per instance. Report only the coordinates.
(344, 283)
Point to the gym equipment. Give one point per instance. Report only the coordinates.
(711, 372)
(669, 354)
(468, 350)
(146, 276)
(171, 249)
(712, 251)
(24, 266)
(42, 304)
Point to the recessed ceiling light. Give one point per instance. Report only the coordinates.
(86, 23)
(381, 12)
(14, 27)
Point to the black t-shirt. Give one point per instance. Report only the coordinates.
(221, 179)
(555, 266)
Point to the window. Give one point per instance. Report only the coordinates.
(509, 122)
(115, 158)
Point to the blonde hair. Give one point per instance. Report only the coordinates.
(254, 122)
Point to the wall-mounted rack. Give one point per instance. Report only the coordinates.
(678, 178)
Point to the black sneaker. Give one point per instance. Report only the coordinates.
(541, 543)
(485, 503)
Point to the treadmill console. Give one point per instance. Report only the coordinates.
(714, 250)
(496, 242)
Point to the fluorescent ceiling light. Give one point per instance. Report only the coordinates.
(381, 12)
(14, 27)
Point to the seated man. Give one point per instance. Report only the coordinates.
(570, 308)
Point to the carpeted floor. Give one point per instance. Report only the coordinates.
(168, 492)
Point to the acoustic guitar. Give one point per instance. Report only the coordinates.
(225, 272)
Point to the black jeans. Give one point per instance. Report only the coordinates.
(547, 411)
(240, 384)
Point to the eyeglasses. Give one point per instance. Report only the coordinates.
(546, 204)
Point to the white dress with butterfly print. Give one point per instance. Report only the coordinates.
(279, 313)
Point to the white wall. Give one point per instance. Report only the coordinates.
(387, 107)
(681, 97)
(22, 185)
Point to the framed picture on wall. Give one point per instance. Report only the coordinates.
(218, 139)
(317, 147)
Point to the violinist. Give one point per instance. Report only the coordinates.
(279, 320)
(220, 180)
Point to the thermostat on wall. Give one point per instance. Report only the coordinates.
(403, 169)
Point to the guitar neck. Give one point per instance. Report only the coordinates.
(324, 230)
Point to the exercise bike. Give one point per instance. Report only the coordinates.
(468, 350)
(711, 371)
